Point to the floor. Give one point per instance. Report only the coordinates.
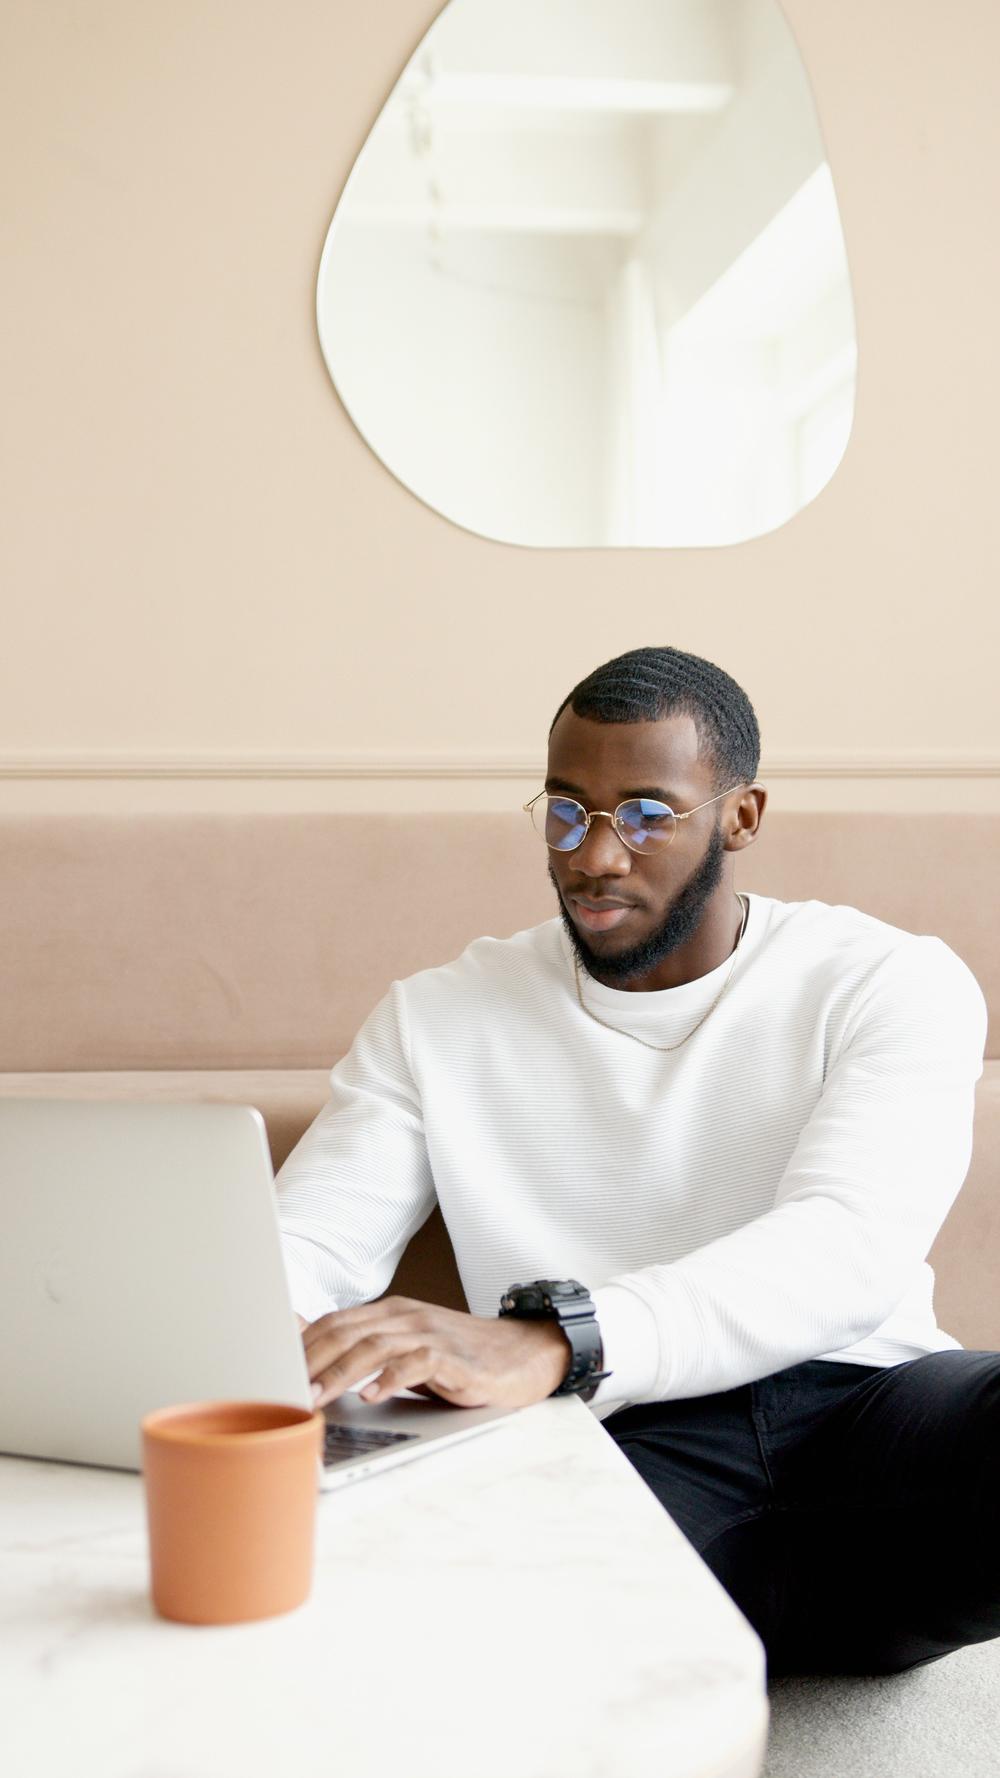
(939, 1721)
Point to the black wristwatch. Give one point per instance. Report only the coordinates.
(568, 1302)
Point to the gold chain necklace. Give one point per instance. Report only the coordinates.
(668, 1046)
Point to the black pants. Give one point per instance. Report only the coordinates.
(852, 1513)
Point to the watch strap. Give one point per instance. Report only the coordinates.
(568, 1302)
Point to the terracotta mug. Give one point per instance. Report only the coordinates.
(231, 1508)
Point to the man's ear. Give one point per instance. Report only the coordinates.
(745, 819)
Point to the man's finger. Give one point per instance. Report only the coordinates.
(331, 1377)
(337, 1343)
(448, 1374)
(401, 1373)
(389, 1312)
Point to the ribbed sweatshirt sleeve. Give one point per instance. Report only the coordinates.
(874, 1172)
(358, 1185)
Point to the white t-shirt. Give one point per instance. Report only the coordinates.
(767, 1193)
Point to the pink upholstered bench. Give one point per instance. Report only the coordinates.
(234, 957)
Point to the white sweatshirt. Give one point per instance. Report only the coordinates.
(765, 1194)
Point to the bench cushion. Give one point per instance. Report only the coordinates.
(262, 941)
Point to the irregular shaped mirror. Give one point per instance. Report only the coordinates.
(586, 284)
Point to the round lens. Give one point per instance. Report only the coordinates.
(561, 822)
(646, 825)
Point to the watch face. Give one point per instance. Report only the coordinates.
(522, 1299)
(548, 1296)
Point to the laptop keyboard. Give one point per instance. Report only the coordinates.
(342, 1442)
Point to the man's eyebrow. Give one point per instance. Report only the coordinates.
(654, 792)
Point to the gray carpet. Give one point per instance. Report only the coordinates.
(940, 1721)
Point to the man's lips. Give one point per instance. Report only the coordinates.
(599, 915)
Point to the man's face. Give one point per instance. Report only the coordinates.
(624, 911)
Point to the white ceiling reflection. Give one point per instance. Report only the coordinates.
(587, 285)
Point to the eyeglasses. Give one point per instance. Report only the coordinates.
(641, 823)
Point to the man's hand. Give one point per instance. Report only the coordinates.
(465, 1359)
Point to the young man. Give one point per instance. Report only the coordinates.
(713, 1137)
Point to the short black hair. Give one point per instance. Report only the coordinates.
(649, 683)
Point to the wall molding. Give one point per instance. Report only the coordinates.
(455, 767)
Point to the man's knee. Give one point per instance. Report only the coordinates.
(748, 1560)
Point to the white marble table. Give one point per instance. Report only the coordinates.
(519, 1604)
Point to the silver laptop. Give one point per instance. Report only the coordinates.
(140, 1265)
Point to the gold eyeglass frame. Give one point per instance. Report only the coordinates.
(613, 818)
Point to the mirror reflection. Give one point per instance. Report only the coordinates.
(587, 283)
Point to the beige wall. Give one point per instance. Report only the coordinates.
(206, 572)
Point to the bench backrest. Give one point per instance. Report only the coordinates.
(263, 940)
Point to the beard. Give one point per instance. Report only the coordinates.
(680, 923)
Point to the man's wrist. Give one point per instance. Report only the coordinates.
(560, 1354)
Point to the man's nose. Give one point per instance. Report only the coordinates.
(602, 853)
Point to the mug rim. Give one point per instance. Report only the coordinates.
(177, 1423)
